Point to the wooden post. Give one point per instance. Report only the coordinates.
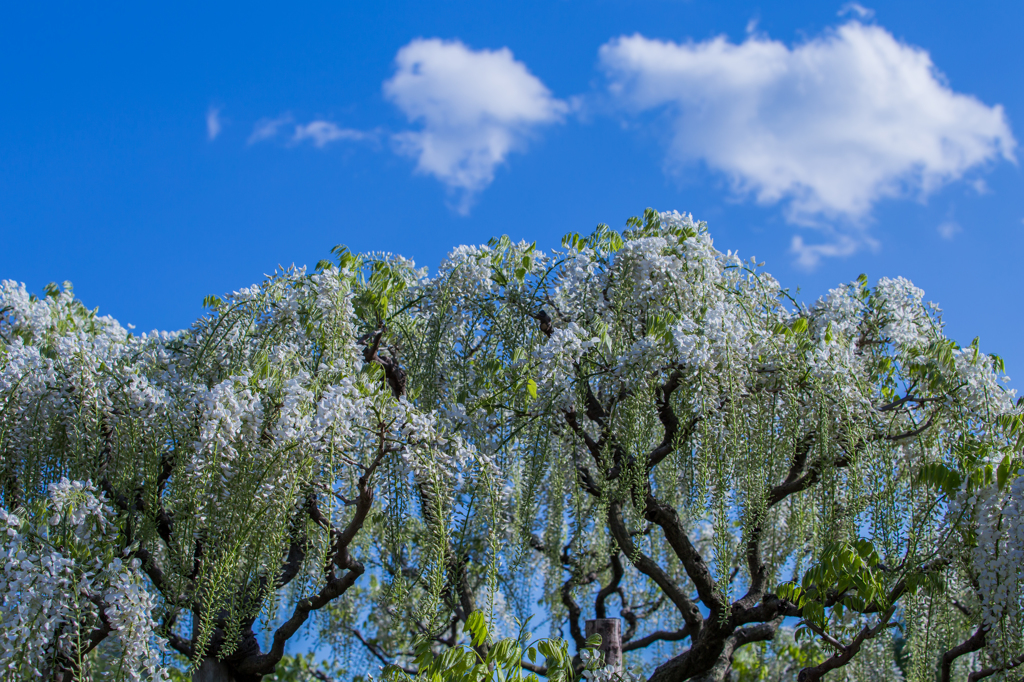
(610, 630)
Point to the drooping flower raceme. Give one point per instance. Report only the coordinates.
(63, 590)
(226, 462)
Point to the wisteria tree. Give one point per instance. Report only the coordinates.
(632, 425)
(204, 492)
(693, 450)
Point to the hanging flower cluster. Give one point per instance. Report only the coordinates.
(62, 587)
(229, 464)
(654, 400)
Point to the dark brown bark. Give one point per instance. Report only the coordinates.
(846, 652)
(213, 670)
(989, 672)
(972, 643)
(610, 630)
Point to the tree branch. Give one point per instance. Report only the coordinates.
(657, 636)
(988, 672)
(611, 587)
(846, 653)
(264, 663)
(393, 372)
(694, 564)
(646, 565)
(668, 419)
(972, 643)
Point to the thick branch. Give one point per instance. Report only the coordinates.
(179, 644)
(610, 588)
(646, 565)
(292, 563)
(265, 663)
(697, 570)
(757, 570)
(656, 636)
(545, 323)
(972, 643)
(761, 632)
(795, 481)
(393, 372)
(989, 672)
(668, 419)
(260, 663)
(846, 653)
(105, 628)
(593, 446)
(574, 611)
(534, 668)
(710, 659)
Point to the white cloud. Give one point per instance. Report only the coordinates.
(319, 132)
(323, 133)
(267, 128)
(979, 186)
(808, 256)
(213, 124)
(949, 229)
(475, 106)
(856, 8)
(830, 126)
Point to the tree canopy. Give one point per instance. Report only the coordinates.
(632, 425)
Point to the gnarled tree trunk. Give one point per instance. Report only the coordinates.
(213, 670)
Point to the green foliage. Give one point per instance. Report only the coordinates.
(485, 661)
(635, 419)
(847, 574)
(779, 660)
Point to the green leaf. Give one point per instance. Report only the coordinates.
(531, 388)
(1005, 469)
(594, 641)
(938, 475)
(477, 626)
(504, 653)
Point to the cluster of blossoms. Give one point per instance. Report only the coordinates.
(60, 585)
(580, 356)
(996, 560)
(264, 404)
(561, 352)
(467, 269)
(840, 313)
(906, 322)
(981, 389)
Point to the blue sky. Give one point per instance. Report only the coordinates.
(156, 154)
